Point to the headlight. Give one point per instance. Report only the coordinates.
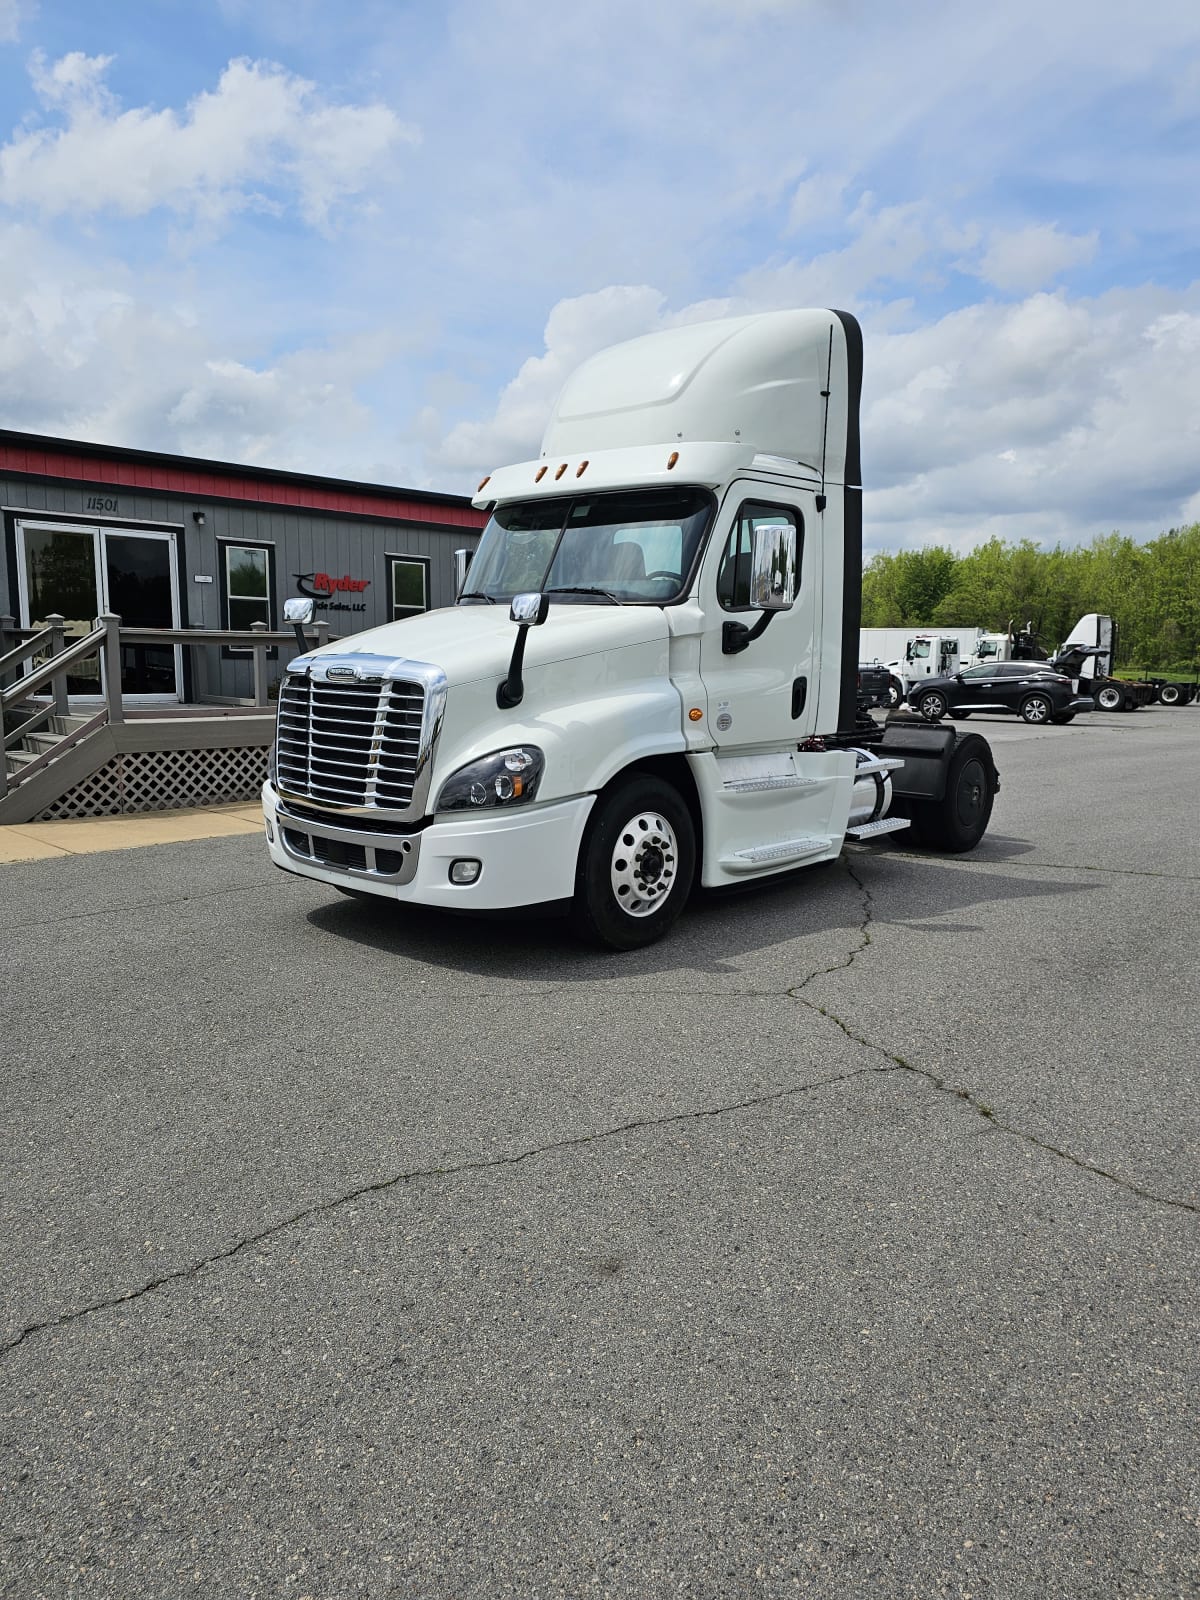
(505, 778)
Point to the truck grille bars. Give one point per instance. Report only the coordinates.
(359, 744)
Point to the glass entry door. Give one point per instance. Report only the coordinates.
(81, 572)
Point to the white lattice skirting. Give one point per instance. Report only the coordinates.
(163, 780)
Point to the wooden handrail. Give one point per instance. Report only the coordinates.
(246, 638)
(22, 652)
(89, 645)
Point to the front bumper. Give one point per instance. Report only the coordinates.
(526, 857)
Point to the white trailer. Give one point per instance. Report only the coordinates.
(650, 679)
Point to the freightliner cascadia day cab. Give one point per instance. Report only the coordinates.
(648, 679)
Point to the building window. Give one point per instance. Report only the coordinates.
(248, 584)
(409, 585)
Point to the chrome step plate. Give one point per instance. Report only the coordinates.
(872, 830)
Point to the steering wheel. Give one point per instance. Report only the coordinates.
(673, 576)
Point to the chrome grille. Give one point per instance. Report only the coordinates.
(350, 744)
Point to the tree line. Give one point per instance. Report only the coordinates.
(1152, 590)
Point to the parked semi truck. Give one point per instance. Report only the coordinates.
(649, 679)
(1086, 655)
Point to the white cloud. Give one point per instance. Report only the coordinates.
(12, 14)
(262, 138)
(576, 329)
(1031, 258)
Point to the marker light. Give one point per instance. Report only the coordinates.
(695, 714)
(581, 469)
(540, 474)
(560, 472)
(672, 459)
(485, 483)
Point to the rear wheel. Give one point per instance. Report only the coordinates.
(958, 821)
(1171, 694)
(931, 706)
(1109, 697)
(635, 865)
(1036, 708)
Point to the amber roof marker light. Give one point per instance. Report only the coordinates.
(484, 483)
(560, 472)
(672, 459)
(540, 474)
(581, 469)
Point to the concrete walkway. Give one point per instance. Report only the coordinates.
(36, 841)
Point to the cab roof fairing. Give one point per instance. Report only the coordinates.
(750, 386)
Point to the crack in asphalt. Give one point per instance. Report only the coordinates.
(382, 1185)
(957, 1091)
(894, 1063)
(142, 905)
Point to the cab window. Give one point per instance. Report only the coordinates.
(733, 573)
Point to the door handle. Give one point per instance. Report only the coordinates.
(799, 696)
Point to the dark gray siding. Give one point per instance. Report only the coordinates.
(303, 542)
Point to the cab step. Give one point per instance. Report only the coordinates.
(778, 781)
(872, 830)
(765, 855)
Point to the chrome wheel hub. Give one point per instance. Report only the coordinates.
(645, 861)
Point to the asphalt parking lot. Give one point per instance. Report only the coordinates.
(844, 1244)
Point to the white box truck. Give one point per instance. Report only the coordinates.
(649, 680)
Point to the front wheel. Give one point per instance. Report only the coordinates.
(1036, 708)
(635, 865)
(895, 693)
(931, 706)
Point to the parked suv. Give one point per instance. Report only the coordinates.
(1031, 689)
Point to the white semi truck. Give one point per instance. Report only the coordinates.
(649, 678)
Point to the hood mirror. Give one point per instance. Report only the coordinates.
(299, 612)
(527, 611)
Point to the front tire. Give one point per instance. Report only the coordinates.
(932, 706)
(1036, 708)
(635, 865)
(895, 693)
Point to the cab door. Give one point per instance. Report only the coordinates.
(764, 696)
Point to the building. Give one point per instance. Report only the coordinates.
(200, 549)
(174, 542)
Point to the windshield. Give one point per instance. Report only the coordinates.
(627, 548)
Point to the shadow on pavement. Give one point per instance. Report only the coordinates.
(717, 928)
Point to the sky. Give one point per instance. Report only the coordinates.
(371, 239)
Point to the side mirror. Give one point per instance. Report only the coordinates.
(299, 612)
(527, 611)
(773, 567)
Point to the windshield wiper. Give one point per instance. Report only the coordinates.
(476, 594)
(582, 588)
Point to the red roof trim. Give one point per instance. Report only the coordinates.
(212, 485)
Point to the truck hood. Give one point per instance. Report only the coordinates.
(473, 642)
